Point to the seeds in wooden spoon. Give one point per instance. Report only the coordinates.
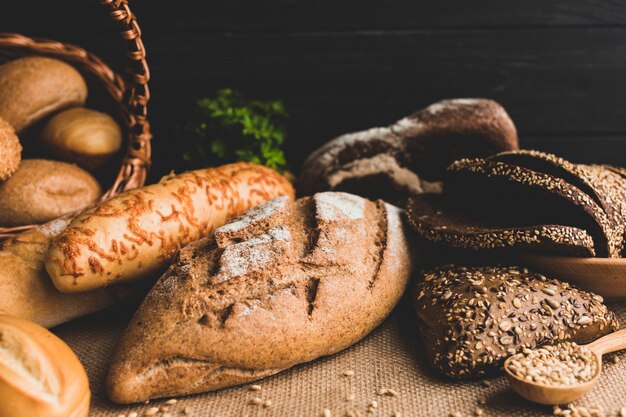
(560, 365)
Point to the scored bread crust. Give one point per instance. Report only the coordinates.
(434, 219)
(282, 285)
(607, 238)
(472, 319)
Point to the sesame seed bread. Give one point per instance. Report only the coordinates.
(10, 150)
(618, 170)
(472, 319)
(409, 157)
(500, 190)
(284, 284)
(438, 220)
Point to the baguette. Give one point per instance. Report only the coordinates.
(40, 376)
(27, 291)
(137, 233)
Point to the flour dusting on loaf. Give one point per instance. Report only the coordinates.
(281, 285)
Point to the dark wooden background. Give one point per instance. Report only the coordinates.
(558, 66)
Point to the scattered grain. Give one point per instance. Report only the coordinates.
(349, 372)
(171, 401)
(151, 411)
(255, 387)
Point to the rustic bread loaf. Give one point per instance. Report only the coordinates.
(26, 289)
(34, 87)
(410, 156)
(10, 150)
(284, 284)
(498, 190)
(137, 233)
(439, 220)
(40, 376)
(42, 190)
(472, 319)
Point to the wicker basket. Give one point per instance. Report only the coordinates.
(130, 96)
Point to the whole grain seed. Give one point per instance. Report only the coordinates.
(327, 413)
(348, 372)
(151, 411)
(256, 401)
(563, 364)
(133, 414)
(171, 401)
(255, 387)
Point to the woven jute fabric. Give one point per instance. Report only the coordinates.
(390, 358)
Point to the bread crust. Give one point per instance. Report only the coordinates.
(10, 150)
(410, 156)
(40, 376)
(42, 190)
(137, 233)
(26, 289)
(282, 285)
(32, 88)
(472, 319)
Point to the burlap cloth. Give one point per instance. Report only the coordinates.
(391, 357)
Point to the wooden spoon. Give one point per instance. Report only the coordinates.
(602, 276)
(552, 395)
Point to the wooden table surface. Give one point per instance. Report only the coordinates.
(558, 66)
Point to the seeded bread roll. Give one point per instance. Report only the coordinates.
(410, 156)
(284, 284)
(40, 376)
(439, 220)
(499, 190)
(10, 150)
(472, 319)
(34, 87)
(42, 190)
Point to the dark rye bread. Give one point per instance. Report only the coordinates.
(439, 220)
(496, 190)
(606, 188)
(472, 319)
(284, 284)
(410, 156)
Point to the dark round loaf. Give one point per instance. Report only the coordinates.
(410, 156)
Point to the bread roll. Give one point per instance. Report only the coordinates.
(284, 284)
(40, 376)
(85, 137)
(26, 289)
(10, 150)
(42, 190)
(410, 156)
(35, 87)
(137, 233)
(472, 319)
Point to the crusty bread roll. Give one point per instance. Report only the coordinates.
(135, 234)
(284, 284)
(86, 137)
(40, 376)
(10, 150)
(34, 87)
(26, 289)
(42, 190)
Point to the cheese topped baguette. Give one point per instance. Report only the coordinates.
(137, 233)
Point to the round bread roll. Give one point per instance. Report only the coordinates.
(35, 87)
(10, 150)
(85, 137)
(42, 190)
(40, 376)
